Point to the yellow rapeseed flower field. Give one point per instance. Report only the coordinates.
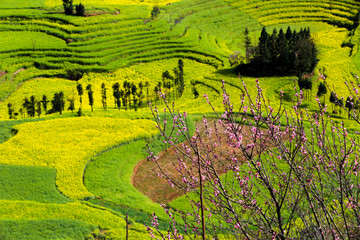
(48, 86)
(38, 88)
(68, 144)
(29, 210)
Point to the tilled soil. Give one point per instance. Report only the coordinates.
(147, 181)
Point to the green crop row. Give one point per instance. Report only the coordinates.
(53, 143)
(63, 33)
(72, 53)
(20, 14)
(127, 13)
(299, 4)
(189, 6)
(315, 10)
(55, 59)
(45, 229)
(27, 183)
(301, 16)
(109, 177)
(22, 4)
(217, 18)
(10, 85)
(269, 12)
(86, 216)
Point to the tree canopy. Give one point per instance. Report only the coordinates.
(279, 53)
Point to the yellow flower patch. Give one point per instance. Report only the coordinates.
(68, 144)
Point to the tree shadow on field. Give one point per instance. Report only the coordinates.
(228, 72)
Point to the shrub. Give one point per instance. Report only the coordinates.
(155, 12)
(80, 10)
(68, 7)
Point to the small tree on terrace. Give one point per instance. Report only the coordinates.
(123, 97)
(103, 95)
(38, 108)
(285, 178)
(71, 103)
(134, 93)
(181, 76)
(147, 84)
(31, 106)
(80, 92)
(333, 99)
(91, 96)
(117, 94)
(10, 110)
(127, 93)
(58, 103)
(140, 94)
(349, 105)
(44, 102)
(154, 12)
(80, 10)
(68, 7)
(26, 105)
(305, 83)
(322, 90)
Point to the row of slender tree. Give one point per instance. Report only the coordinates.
(305, 84)
(176, 82)
(32, 106)
(127, 96)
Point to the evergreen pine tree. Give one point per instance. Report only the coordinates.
(249, 49)
(288, 34)
(264, 55)
(283, 52)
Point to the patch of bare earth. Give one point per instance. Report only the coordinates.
(147, 181)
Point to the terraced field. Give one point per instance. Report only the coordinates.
(100, 45)
(339, 13)
(74, 174)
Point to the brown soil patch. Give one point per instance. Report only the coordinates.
(147, 181)
(2, 73)
(95, 14)
(19, 70)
